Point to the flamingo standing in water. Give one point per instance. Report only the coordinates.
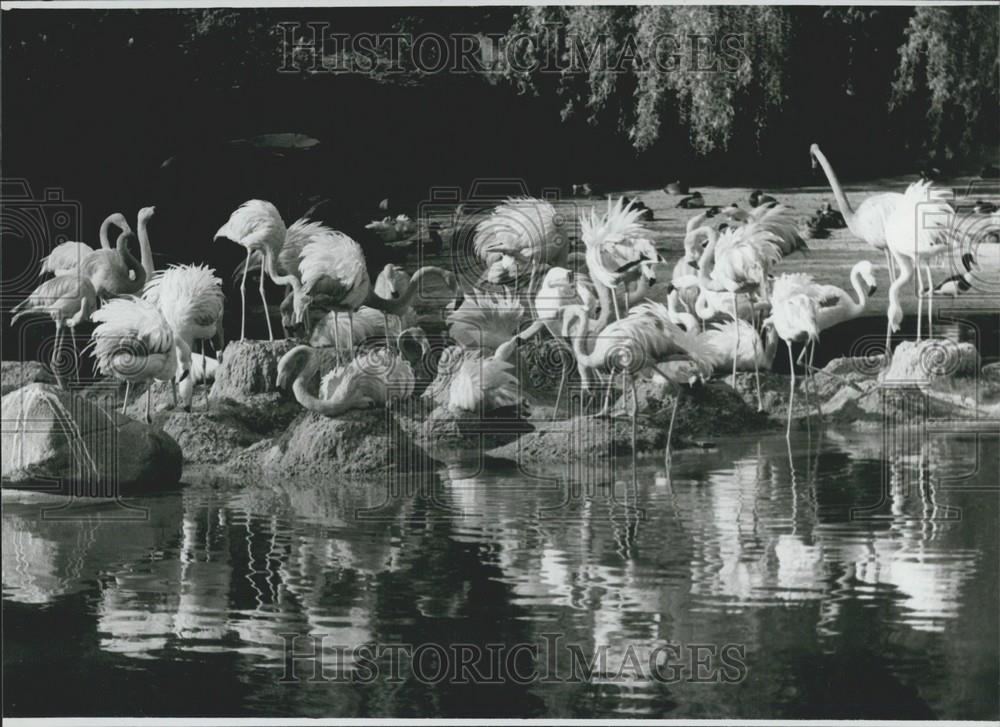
(918, 231)
(66, 257)
(191, 300)
(794, 315)
(374, 378)
(135, 343)
(67, 300)
(257, 226)
(869, 222)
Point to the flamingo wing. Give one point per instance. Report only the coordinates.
(65, 258)
(333, 264)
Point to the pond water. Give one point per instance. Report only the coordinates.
(846, 575)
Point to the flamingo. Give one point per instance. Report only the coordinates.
(917, 232)
(837, 306)
(794, 315)
(743, 259)
(116, 272)
(612, 255)
(634, 345)
(869, 222)
(135, 343)
(559, 288)
(257, 226)
(66, 257)
(478, 375)
(430, 286)
(191, 300)
(67, 300)
(374, 378)
(521, 231)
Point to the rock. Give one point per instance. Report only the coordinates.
(360, 443)
(51, 434)
(15, 374)
(991, 372)
(930, 361)
(453, 434)
(248, 368)
(208, 436)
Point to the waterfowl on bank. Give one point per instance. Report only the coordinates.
(694, 201)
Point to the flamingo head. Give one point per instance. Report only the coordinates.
(413, 344)
(867, 273)
(145, 214)
(297, 361)
(813, 151)
(300, 304)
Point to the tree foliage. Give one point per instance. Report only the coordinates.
(949, 63)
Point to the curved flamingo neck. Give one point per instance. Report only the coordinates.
(145, 251)
(860, 291)
(838, 192)
(112, 219)
(271, 262)
(130, 261)
(308, 400)
(895, 311)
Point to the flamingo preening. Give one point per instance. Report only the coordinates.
(135, 343)
(373, 378)
(191, 300)
(918, 231)
(615, 249)
(521, 232)
(794, 315)
(66, 257)
(869, 222)
(478, 376)
(67, 300)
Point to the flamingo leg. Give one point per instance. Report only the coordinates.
(756, 372)
(149, 401)
(204, 363)
(125, 403)
(562, 381)
(350, 331)
(791, 391)
(930, 304)
(736, 351)
(336, 334)
(243, 299)
(55, 355)
(173, 391)
(812, 379)
(920, 300)
(267, 313)
(385, 317)
(614, 300)
(635, 415)
(670, 429)
(888, 327)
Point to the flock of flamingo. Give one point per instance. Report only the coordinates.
(616, 308)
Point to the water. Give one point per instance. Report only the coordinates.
(889, 612)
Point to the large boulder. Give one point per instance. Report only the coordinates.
(15, 374)
(52, 437)
(927, 362)
(361, 443)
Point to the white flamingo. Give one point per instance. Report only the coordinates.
(520, 232)
(133, 342)
(869, 222)
(67, 300)
(191, 300)
(794, 315)
(374, 378)
(635, 345)
(116, 272)
(918, 231)
(837, 306)
(257, 226)
(742, 262)
(478, 376)
(66, 257)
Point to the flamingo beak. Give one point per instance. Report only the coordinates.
(871, 290)
(184, 375)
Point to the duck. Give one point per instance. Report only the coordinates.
(694, 201)
(676, 187)
(758, 198)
